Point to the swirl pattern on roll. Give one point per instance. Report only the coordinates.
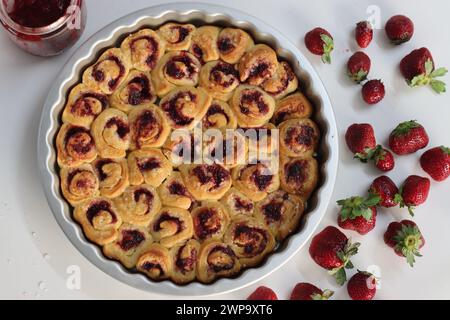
(219, 116)
(233, 43)
(177, 36)
(156, 262)
(211, 220)
(185, 261)
(283, 82)
(220, 79)
(148, 166)
(79, 184)
(75, 146)
(172, 226)
(294, 106)
(298, 137)
(173, 192)
(204, 44)
(299, 175)
(216, 260)
(258, 65)
(112, 175)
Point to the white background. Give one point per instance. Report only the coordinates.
(34, 253)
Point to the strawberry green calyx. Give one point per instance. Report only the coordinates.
(404, 127)
(358, 207)
(445, 150)
(399, 199)
(326, 294)
(339, 273)
(368, 154)
(328, 46)
(429, 78)
(358, 77)
(409, 241)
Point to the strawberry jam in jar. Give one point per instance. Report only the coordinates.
(43, 27)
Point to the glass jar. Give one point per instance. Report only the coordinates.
(48, 40)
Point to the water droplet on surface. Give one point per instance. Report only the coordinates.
(34, 234)
(42, 285)
(9, 260)
(46, 256)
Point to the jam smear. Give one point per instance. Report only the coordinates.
(223, 266)
(146, 194)
(123, 129)
(152, 47)
(148, 266)
(172, 108)
(97, 207)
(167, 217)
(253, 240)
(214, 174)
(225, 45)
(240, 204)
(296, 171)
(213, 110)
(207, 223)
(262, 181)
(81, 183)
(139, 91)
(273, 211)
(99, 75)
(186, 264)
(177, 188)
(99, 167)
(145, 125)
(38, 13)
(83, 106)
(79, 139)
(148, 164)
(260, 70)
(131, 239)
(305, 135)
(222, 69)
(173, 70)
(183, 33)
(253, 97)
(287, 77)
(198, 53)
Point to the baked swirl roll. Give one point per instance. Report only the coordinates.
(261, 141)
(138, 205)
(75, 146)
(111, 132)
(136, 90)
(281, 212)
(220, 79)
(204, 43)
(206, 182)
(177, 68)
(250, 240)
(211, 220)
(295, 106)
(108, 73)
(258, 65)
(112, 176)
(177, 36)
(84, 105)
(184, 147)
(172, 226)
(228, 148)
(185, 106)
(185, 261)
(298, 137)
(131, 242)
(149, 127)
(143, 49)
(219, 116)
(252, 106)
(237, 203)
(173, 192)
(233, 43)
(79, 184)
(156, 262)
(299, 175)
(99, 219)
(283, 82)
(149, 166)
(215, 260)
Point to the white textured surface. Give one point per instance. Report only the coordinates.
(34, 253)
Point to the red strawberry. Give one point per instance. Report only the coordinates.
(436, 162)
(307, 291)
(358, 214)
(408, 137)
(358, 66)
(263, 293)
(362, 286)
(418, 69)
(363, 33)
(414, 192)
(360, 140)
(406, 239)
(373, 91)
(331, 249)
(320, 42)
(399, 29)
(386, 189)
(384, 160)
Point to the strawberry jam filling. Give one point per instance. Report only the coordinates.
(144, 194)
(96, 208)
(99, 75)
(273, 211)
(198, 53)
(166, 217)
(145, 125)
(152, 267)
(252, 240)
(99, 167)
(225, 45)
(305, 135)
(214, 174)
(242, 205)
(174, 70)
(86, 183)
(253, 97)
(296, 171)
(213, 110)
(131, 239)
(224, 74)
(152, 48)
(186, 264)
(222, 265)
(286, 78)
(123, 129)
(207, 223)
(139, 91)
(261, 181)
(183, 33)
(84, 105)
(148, 164)
(79, 140)
(173, 108)
(177, 188)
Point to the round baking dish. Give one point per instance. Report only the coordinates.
(197, 14)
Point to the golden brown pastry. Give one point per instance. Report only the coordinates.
(250, 240)
(149, 166)
(156, 262)
(215, 260)
(219, 116)
(237, 203)
(79, 184)
(129, 245)
(138, 205)
(112, 175)
(173, 192)
(108, 73)
(211, 220)
(99, 219)
(185, 261)
(178, 68)
(262, 140)
(111, 132)
(183, 147)
(143, 49)
(283, 82)
(83, 105)
(281, 212)
(136, 90)
(204, 43)
(258, 64)
(177, 36)
(228, 148)
(220, 79)
(172, 226)
(149, 127)
(298, 137)
(233, 43)
(252, 106)
(295, 106)
(185, 107)
(299, 175)
(75, 146)
(206, 182)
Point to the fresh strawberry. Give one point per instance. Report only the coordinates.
(384, 160)
(373, 91)
(360, 140)
(307, 291)
(406, 239)
(386, 189)
(358, 214)
(408, 137)
(399, 29)
(436, 162)
(362, 286)
(320, 42)
(413, 193)
(358, 66)
(263, 293)
(418, 69)
(363, 33)
(331, 249)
